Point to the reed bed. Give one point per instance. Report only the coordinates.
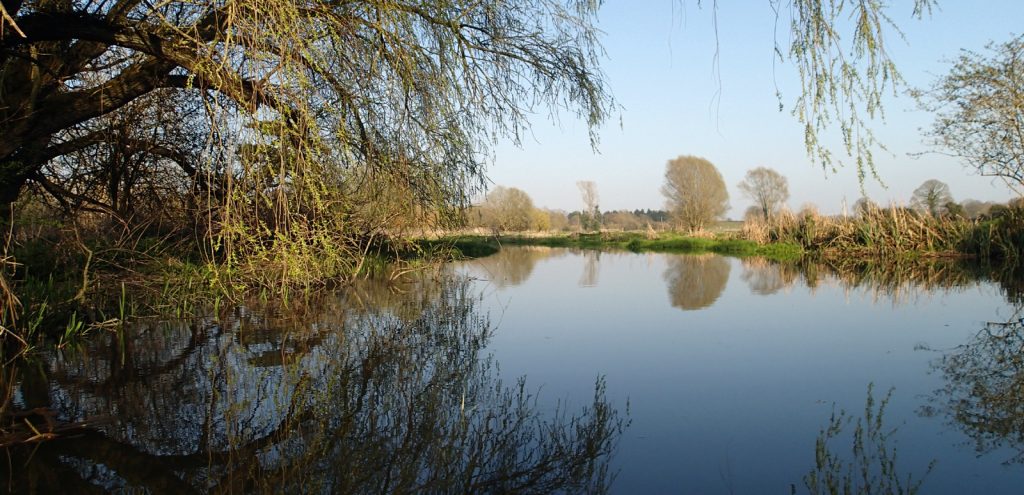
(894, 232)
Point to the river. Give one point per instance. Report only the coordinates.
(555, 370)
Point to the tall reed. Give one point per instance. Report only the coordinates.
(889, 232)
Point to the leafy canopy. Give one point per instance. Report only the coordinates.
(979, 107)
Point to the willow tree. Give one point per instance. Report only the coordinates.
(376, 100)
(401, 95)
(841, 53)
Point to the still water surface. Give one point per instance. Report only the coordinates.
(732, 366)
(714, 375)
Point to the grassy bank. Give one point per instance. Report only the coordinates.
(56, 292)
(471, 246)
(891, 234)
(65, 284)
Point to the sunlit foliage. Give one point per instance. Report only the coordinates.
(979, 109)
(695, 192)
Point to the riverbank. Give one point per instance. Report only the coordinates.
(877, 234)
(63, 290)
(471, 246)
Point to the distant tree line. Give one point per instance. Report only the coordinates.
(509, 209)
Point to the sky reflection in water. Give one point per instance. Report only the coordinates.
(731, 366)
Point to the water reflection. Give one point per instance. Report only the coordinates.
(865, 460)
(347, 400)
(894, 282)
(696, 281)
(765, 277)
(1011, 281)
(903, 281)
(591, 268)
(513, 265)
(984, 391)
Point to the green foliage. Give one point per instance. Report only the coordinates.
(590, 221)
(344, 128)
(461, 247)
(670, 243)
(843, 81)
(1000, 237)
(979, 110)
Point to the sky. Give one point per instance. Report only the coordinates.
(675, 100)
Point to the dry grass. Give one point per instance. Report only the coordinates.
(890, 231)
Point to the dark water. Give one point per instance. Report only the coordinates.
(548, 370)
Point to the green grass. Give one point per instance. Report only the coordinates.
(727, 246)
(472, 246)
(460, 247)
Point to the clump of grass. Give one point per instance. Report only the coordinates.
(756, 230)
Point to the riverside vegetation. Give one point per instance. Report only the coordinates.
(872, 233)
(193, 181)
(144, 174)
(95, 283)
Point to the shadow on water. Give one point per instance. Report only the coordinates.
(397, 399)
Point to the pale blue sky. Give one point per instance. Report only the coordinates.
(659, 63)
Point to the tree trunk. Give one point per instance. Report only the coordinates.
(13, 176)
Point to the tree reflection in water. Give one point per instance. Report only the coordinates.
(895, 282)
(765, 277)
(591, 268)
(696, 280)
(513, 266)
(348, 401)
(984, 391)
